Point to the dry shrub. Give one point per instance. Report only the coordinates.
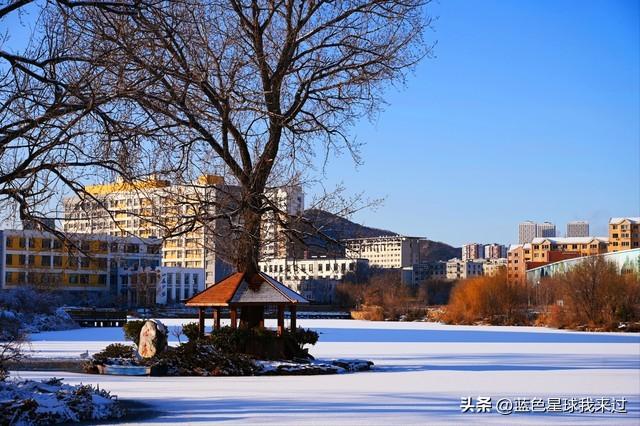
(593, 294)
(488, 299)
(385, 291)
(369, 313)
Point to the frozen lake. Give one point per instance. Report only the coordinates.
(422, 372)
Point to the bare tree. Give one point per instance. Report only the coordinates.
(53, 121)
(256, 89)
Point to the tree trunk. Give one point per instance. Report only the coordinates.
(248, 246)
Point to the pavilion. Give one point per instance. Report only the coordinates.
(249, 296)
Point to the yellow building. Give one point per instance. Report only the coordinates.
(581, 246)
(624, 233)
(83, 263)
(517, 258)
(156, 209)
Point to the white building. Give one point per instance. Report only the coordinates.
(314, 278)
(385, 252)
(495, 251)
(526, 232)
(294, 270)
(178, 284)
(472, 251)
(545, 229)
(458, 269)
(492, 267)
(529, 230)
(578, 228)
(289, 201)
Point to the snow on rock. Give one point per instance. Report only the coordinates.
(29, 402)
(286, 368)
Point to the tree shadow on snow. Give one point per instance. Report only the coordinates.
(506, 362)
(389, 335)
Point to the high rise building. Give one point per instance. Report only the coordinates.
(495, 251)
(545, 229)
(526, 232)
(529, 230)
(578, 228)
(289, 201)
(472, 251)
(624, 233)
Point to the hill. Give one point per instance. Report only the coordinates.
(339, 228)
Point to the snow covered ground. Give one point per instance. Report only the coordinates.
(422, 372)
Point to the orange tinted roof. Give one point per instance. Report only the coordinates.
(258, 289)
(218, 294)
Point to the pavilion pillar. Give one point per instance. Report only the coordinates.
(233, 314)
(201, 322)
(280, 320)
(216, 318)
(293, 309)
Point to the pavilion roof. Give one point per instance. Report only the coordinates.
(238, 289)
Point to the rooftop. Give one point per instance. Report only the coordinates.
(239, 289)
(569, 240)
(617, 220)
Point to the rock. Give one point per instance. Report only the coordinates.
(153, 339)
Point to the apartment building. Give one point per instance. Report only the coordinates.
(472, 251)
(156, 208)
(178, 284)
(517, 258)
(314, 278)
(458, 269)
(294, 270)
(83, 263)
(395, 251)
(578, 228)
(545, 229)
(495, 251)
(289, 200)
(624, 233)
(526, 232)
(581, 246)
(421, 272)
(529, 230)
(492, 267)
(542, 251)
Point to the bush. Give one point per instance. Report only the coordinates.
(264, 344)
(592, 295)
(201, 358)
(115, 351)
(132, 330)
(487, 299)
(384, 296)
(369, 313)
(191, 330)
(10, 325)
(29, 301)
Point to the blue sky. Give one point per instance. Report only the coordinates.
(530, 110)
